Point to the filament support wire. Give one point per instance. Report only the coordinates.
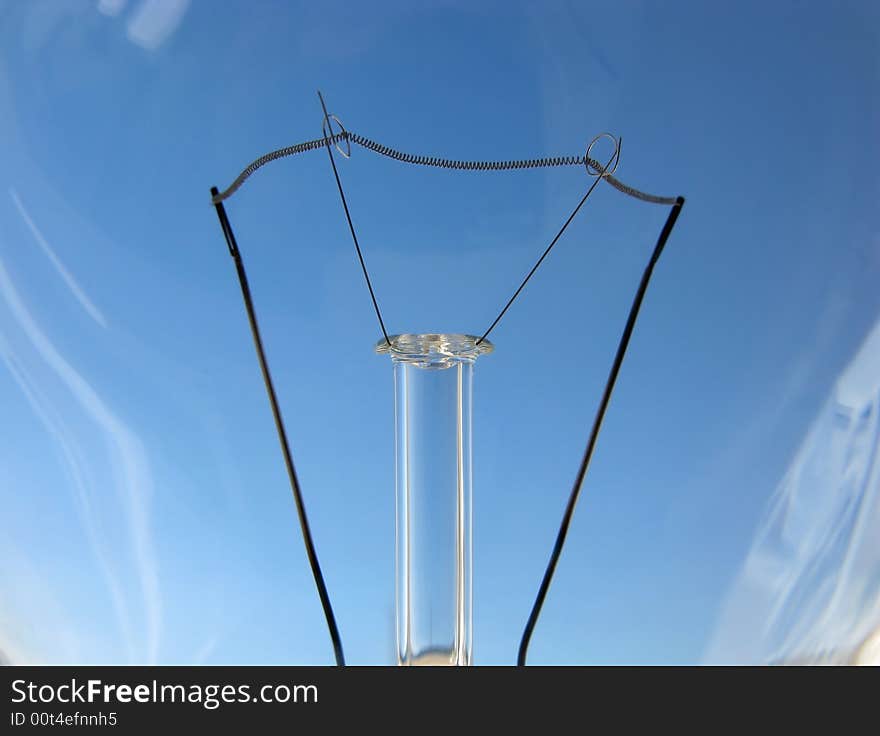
(615, 159)
(326, 128)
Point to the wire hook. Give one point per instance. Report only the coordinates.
(596, 169)
(327, 130)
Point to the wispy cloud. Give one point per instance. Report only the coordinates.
(111, 8)
(205, 651)
(72, 284)
(76, 469)
(128, 457)
(808, 589)
(155, 21)
(24, 642)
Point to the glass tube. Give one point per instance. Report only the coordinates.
(433, 377)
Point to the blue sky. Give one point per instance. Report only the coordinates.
(146, 512)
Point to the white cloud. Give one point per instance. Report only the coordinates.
(808, 589)
(155, 21)
(79, 294)
(111, 8)
(128, 458)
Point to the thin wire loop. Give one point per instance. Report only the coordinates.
(327, 129)
(588, 162)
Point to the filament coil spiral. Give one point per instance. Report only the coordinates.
(594, 168)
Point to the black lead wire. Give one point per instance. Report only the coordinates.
(594, 433)
(282, 434)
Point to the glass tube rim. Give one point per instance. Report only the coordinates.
(433, 350)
